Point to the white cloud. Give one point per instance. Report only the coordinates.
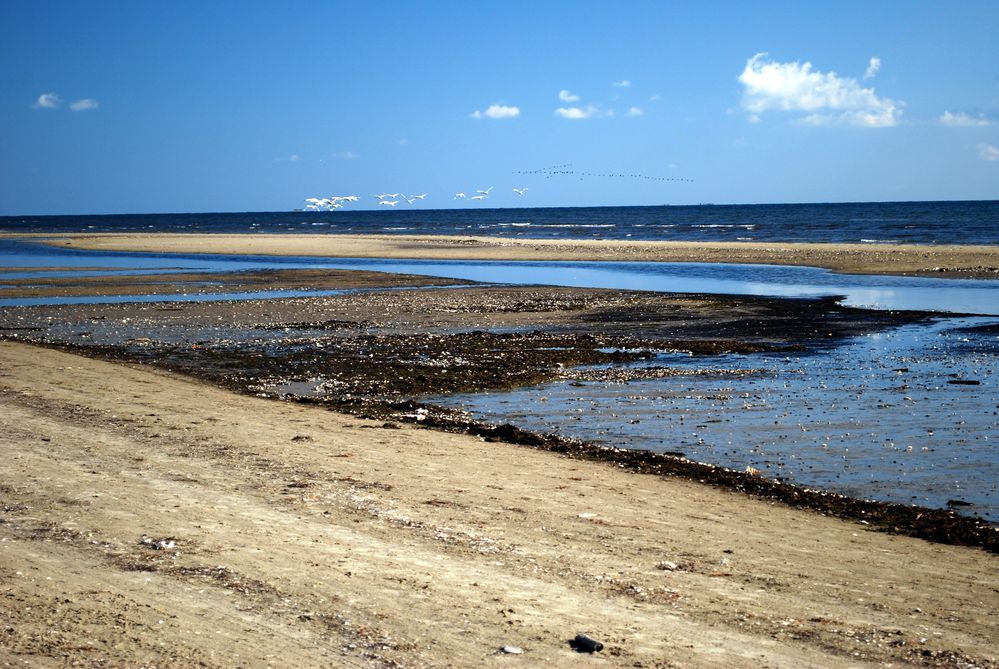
(962, 120)
(830, 99)
(635, 111)
(571, 113)
(47, 101)
(872, 68)
(402, 141)
(988, 152)
(655, 98)
(624, 83)
(497, 112)
(346, 155)
(577, 113)
(566, 96)
(85, 104)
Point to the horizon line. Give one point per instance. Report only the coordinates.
(449, 209)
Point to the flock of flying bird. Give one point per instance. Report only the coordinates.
(334, 202)
(565, 170)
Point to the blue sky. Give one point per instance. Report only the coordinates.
(255, 106)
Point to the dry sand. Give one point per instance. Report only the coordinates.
(939, 260)
(151, 520)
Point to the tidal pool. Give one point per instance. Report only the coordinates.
(908, 415)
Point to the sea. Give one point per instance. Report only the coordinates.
(909, 415)
(952, 222)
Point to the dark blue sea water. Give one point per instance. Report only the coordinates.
(969, 222)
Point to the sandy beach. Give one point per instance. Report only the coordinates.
(158, 512)
(939, 260)
(151, 519)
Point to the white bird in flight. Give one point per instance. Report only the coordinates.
(328, 203)
(478, 197)
(485, 192)
(459, 196)
(520, 191)
(390, 203)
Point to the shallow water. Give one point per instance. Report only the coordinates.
(903, 416)
(875, 292)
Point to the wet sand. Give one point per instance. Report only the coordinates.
(904, 259)
(207, 283)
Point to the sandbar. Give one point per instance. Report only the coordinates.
(958, 261)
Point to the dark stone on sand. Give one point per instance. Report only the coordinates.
(585, 644)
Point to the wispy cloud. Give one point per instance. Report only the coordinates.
(655, 98)
(565, 96)
(624, 83)
(85, 104)
(635, 111)
(872, 68)
(402, 141)
(47, 101)
(293, 158)
(962, 120)
(827, 98)
(497, 111)
(988, 152)
(346, 155)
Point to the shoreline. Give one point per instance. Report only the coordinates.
(941, 261)
(379, 354)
